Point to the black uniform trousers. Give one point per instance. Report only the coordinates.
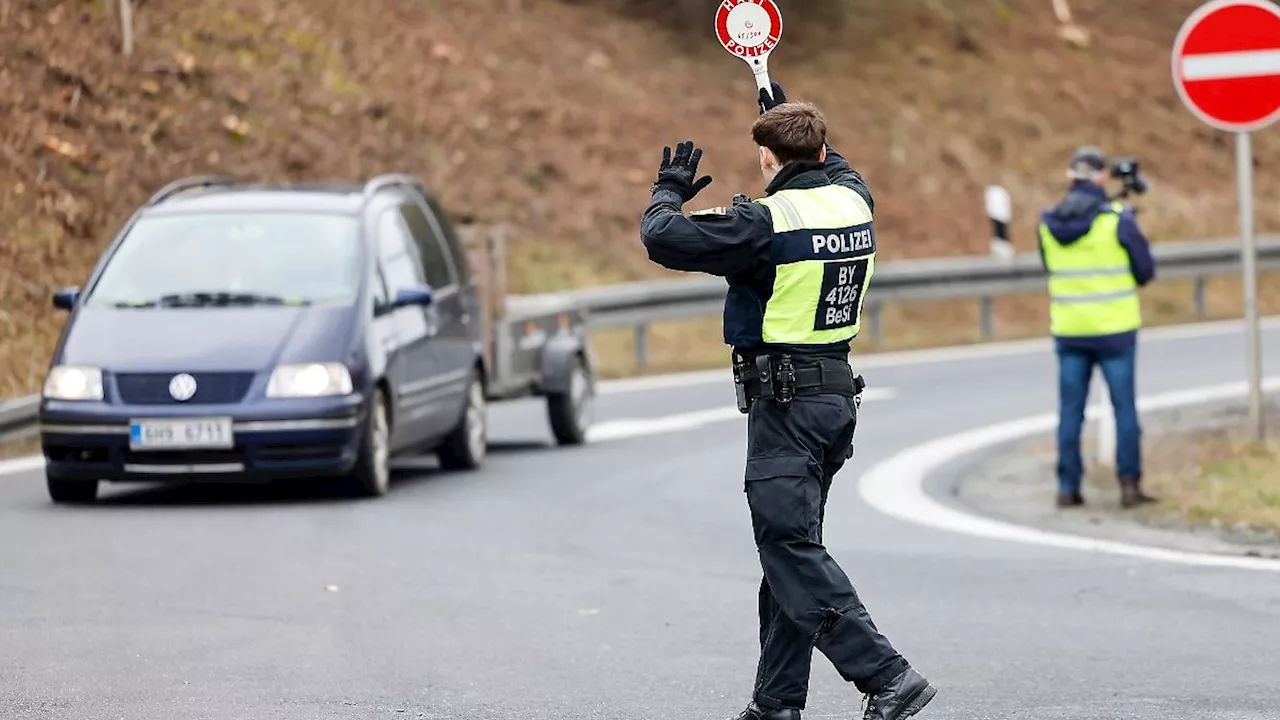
(806, 600)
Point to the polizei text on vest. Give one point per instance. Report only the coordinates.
(835, 243)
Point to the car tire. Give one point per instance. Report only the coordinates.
(570, 413)
(466, 445)
(71, 491)
(371, 476)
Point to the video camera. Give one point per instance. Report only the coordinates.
(1126, 171)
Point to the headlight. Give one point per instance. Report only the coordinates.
(70, 382)
(309, 380)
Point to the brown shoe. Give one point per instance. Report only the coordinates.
(1070, 499)
(1131, 494)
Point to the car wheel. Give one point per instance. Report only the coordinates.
(371, 476)
(571, 413)
(71, 491)
(467, 443)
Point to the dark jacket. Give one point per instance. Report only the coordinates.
(1071, 220)
(736, 243)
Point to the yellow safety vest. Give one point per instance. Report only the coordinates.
(1092, 290)
(824, 253)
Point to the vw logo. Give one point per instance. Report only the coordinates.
(182, 387)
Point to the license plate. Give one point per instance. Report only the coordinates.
(187, 433)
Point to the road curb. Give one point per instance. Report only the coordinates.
(1016, 482)
(895, 486)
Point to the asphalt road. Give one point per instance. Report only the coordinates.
(615, 580)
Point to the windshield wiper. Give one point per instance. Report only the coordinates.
(210, 299)
(221, 299)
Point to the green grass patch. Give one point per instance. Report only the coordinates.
(1218, 478)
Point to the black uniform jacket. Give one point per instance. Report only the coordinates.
(736, 243)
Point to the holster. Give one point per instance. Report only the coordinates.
(739, 388)
(782, 377)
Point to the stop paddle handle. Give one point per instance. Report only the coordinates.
(750, 30)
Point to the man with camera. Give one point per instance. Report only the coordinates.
(1097, 258)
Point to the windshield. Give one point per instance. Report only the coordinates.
(234, 258)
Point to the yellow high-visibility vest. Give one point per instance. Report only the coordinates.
(1092, 290)
(824, 253)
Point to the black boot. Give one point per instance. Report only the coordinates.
(903, 697)
(1070, 499)
(755, 712)
(1131, 494)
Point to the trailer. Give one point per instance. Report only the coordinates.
(534, 345)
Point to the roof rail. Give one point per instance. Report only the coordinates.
(188, 183)
(392, 180)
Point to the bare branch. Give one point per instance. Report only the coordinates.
(126, 26)
(1063, 11)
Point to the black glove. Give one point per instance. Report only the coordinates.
(678, 173)
(767, 103)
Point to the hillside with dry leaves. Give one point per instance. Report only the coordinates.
(549, 116)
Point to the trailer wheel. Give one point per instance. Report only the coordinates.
(570, 413)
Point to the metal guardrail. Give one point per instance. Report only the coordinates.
(18, 416)
(640, 304)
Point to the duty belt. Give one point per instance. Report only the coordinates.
(782, 377)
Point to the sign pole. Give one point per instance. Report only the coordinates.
(1249, 266)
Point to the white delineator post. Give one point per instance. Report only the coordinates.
(1104, 426)
(1000, 211)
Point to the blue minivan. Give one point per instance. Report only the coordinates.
(255, 332)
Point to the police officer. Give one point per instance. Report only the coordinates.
(797, 262)
(1097, 258)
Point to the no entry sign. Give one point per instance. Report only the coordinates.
(1226, 67)
(1226, 64)
(750, 29)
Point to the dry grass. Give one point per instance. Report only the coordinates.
(19, 448)
(1217, 478)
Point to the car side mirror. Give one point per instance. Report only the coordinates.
(65, 298)
(416, 295)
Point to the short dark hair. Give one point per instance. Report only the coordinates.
(1089, 156)
(793, 131)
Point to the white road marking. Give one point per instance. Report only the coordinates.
(1222, 66)
(933, 355)
(639, 427)
(895, 487)
(20, 465)
(661, 382)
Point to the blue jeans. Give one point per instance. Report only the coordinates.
(1075, 370)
